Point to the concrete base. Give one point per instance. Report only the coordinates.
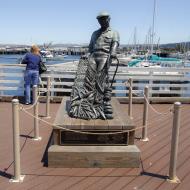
(20, 180)
(94, 156)
(175, 180)
(145, 140)
(47, 117)
(37, 139)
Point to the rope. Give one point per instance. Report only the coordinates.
(130, 87)
(127, 82)
(159, 113)
(82, 132)
(76, 131)
(90, 133)
(31, 105)
(42, 92)
(139, 95)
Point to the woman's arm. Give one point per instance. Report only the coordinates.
(25, 59)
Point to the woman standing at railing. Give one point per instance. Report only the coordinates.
(31, 77)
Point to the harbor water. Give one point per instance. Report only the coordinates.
(15, 59)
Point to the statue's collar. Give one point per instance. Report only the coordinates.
(108, 29)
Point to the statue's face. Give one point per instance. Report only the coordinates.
(104, 22)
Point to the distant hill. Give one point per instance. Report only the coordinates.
(68, 45)
(62, 45)
(180, 46)
(175, 45)
(49, 45)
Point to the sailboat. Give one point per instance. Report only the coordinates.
(49, 55)
(150, 59)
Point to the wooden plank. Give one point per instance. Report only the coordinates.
(116, 123)
(59, 83)
(57, 89)
(125, 100)
(177, 84)
(75, 123)
(126, 120)
(93, 156)
(100, 124)
(40, 177)
(12, 81)
(87, 124)
(159, 162)
(12, 65)
(11, 75)
(152, 91)
(166, 85)
(69, 76)
(56, 136)
(97, 125)
(154, 78)
(11, 88)
(62, 118)
(135, 76)
(60, 89)
(167, 91)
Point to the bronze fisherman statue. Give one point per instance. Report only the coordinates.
(91, 93)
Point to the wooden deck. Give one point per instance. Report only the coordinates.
(150, 176)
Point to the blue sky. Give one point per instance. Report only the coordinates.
(73, 21)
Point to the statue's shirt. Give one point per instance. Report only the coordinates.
(101, 41)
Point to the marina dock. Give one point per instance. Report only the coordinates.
(152, 173)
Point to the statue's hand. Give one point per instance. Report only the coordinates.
(85, 56)
(114, 50)
(113, 55)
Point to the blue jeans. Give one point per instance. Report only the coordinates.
(31, 77)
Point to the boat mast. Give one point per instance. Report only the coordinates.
(152, 35)
(135, 40)
(149, 40)
(158, 44)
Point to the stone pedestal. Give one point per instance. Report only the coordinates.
(94, 156)
(85, 150)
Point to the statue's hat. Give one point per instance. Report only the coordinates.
(103, 14)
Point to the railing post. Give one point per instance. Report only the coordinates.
(16, 142)
(174, 143)
(2, 78)
(48, 97)
(151, 81)
(145, 114)
(36, 122)
(130, 98)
